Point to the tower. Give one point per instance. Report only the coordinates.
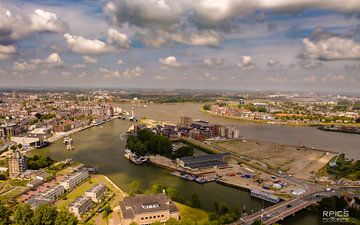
(17, 164)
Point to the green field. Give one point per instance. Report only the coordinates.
(191, 213)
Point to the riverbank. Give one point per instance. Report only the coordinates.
(58, 136)
(286, 123)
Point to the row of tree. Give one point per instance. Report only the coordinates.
(147, 142)
(42, 215)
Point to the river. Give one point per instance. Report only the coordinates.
(102, 146)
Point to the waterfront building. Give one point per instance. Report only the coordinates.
(17, 164)
(29, 140)
(80, 206)
(96, 192)
(74, 180)
(203, 161)
(147, 209)
(264, 196)
(52, 194)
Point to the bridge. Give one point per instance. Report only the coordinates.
(289, 207)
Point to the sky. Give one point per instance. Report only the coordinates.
(303, 45)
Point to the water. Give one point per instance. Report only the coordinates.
(291, 135)
(101, 146)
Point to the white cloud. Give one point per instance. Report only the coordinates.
(118, 39)
(80, 44)
(333, 48)
(119, 61)
(128, 73)
(23, 66)
(89, 60)
(43, 21)
(7, 51)
(196, 38)
(246, 63)
(54, 58)
(169, 61)
(213, 62)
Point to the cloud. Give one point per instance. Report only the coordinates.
(43, 21)
(333, 48)
(89, 60)
(246, 63)
(7, 51)
(23, 66)
(118, 39)
(55, 59)
(160, 38)
(119, 62)
(169, 62)
(128, 73)
(213, 62)
(80, 44)
(12, 27)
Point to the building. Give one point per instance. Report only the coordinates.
(17, 164)
(80, 206)
(74, 180)
(264, 196)
(203, 161)
(147, 209)
(52, 194)
(185, 121)
(29, 140)
(96, 192)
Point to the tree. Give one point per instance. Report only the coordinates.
(357, 120)
(23, 214)
(195, 201)
(14, 147)
(257, 222)
(174, 194)
(134, 187)
(207, 107)
(157, 188)
(44, 215)
(183, 151)
(4, 214)
(107, 212)
(64, 217)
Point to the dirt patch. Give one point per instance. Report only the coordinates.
(301, 162)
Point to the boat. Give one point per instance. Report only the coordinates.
(134, 158)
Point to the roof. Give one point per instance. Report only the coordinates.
(132, 206)
(96, 188)
(35, 183)
(205, 160)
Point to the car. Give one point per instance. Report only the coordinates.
(289, 206)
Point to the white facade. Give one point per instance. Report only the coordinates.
(80, 206)
(74, 180)
(95, 192)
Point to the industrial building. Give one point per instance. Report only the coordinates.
(203, 161)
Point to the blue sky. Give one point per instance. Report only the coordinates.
(218, 44)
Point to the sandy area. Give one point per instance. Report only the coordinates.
(301, 162)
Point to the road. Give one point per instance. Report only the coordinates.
(283, 209)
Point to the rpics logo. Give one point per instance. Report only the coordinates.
(335, 216)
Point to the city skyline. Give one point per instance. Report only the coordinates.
(263, 45)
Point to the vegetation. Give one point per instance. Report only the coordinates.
(42, 215)
(146, 142)
(345, 168)
(335, 203)
(222, 214)
(207, 107)
(38, 162)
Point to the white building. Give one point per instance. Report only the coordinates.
(74, 180)
(52, 194)
(95, 192)
(80, 206)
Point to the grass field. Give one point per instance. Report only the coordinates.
(191, 213)
(79, 191)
